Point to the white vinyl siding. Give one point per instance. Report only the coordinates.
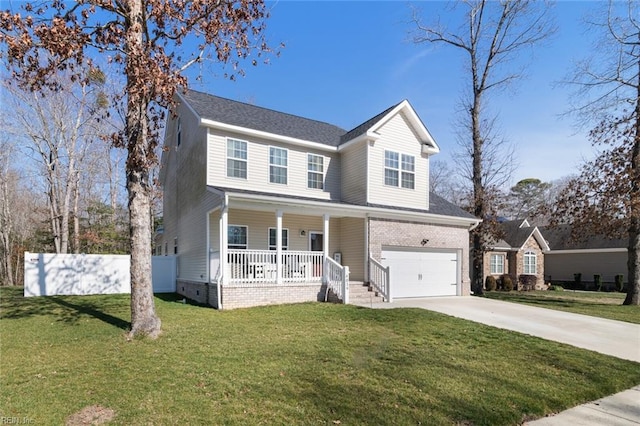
(354, 174)
(530, 263)
(411, 167)
(352, 246)
(259, 222)
(497, 264)
(236, 159)
(273, 241)
(186, 200)
(278, 165)
(315, 171)
(258, 167)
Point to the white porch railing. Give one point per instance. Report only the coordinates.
(337, 279)
(250, 267)
(379, 278)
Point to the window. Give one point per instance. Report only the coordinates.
(166, 249)
(530, 264)
(408, 171)
(237, 238)
(272, 239)
(315, 171)
(391, 168)
(497, 264)
(277, 165)
(236, 159)
(399, 170)
(175, 245)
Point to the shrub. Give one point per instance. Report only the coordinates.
(490, 283)
(577, 280)
(620, 282)
(527, 282)
(507, 283)
(556, 288)
(597, 280)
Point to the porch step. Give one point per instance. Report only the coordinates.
(360, 293)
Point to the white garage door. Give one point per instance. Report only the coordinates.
(421, 273)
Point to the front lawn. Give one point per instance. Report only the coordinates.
(597, 304)
(296, 364)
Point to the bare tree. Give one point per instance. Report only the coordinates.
(56, 129)
(605, 197)
(20, 214)
(494, 34)
(148, 41)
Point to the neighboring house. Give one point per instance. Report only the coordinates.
(521, 251)
(589, 256)
(264, 207)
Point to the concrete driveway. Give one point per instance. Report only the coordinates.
(616, 338)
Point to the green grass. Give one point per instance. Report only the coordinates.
(597, 304)
(295, 364)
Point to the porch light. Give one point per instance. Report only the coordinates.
(303, 232)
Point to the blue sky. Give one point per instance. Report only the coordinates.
(344, 62)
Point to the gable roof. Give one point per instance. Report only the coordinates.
(217, 111)
(254, 117)
(559, 238)
(517, 232)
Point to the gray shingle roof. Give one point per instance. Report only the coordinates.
(263, 119)
(559, 238)
(362, 128)
(437, 204)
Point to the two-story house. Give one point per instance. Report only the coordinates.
(265, 207)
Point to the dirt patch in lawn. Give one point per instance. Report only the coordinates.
(91, 415)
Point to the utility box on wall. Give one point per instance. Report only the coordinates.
(337, 256)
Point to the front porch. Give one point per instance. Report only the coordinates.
(262, 277)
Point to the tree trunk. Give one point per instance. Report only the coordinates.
(479, 206)
(76, 219)
(144, 320)
(633, 260)
(5, 234)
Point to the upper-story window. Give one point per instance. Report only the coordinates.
(530, 263)
(278, 164)
(315, 171)
(399, 169)
(236, 158)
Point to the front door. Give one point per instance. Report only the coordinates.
(316, 241)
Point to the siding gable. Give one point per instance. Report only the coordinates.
(258, 167)
(398, 135)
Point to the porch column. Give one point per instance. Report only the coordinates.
(224, 239)
(278, 246)
(325, 231)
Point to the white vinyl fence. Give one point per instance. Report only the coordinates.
(81, 274)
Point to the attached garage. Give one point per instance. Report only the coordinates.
(422, 273)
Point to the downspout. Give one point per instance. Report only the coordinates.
(224, 224)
